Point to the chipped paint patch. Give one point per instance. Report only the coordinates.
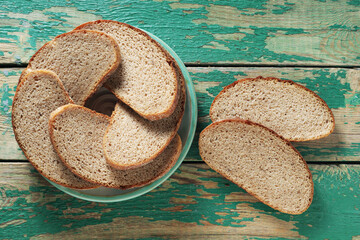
(229, 36)
(188, 11)
(184, 5)
(14, 222)
(184, 200)
(216, 45)
(240, 196)
(201, 87)
(176, 209)
(91, 215)
(297, 44)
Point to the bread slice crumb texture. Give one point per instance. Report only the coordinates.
(146, 79)
(291, 110)
(260, 161)
(131, 141)
(83, 60)
(39, 93)
(77, 134)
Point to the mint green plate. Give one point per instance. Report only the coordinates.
(186, 132)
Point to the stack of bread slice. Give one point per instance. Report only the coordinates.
(248, 142)
(79, 148)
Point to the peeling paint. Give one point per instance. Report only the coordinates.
(229, 36)
(187, 208)
(6, 95)
(216, 45)
(265, 31)
(184, 5)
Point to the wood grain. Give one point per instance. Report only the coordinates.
(340, 88)
(228, 32)
(195, 203)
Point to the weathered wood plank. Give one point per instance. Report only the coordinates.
(340, 88)
(195, 203)
(252, 32)
(9, 148)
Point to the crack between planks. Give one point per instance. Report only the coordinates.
(13, 65)
(13, 161)
(308, 162)
(262, 65)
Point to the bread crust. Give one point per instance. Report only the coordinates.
(279, 80)
(240, 185)
(21, 83)
(51, 131)
(102, 79)
(22, 75)
(160, 115)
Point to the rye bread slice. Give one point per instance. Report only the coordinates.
(39, 93)
(260, 161)
(84, 129)
(291, 110)
(146, 79)
(131, 141)
(83, 60)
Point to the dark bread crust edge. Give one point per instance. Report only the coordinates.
(21, 83)
(276, 135)
(170, 60)
(285, 81)
(102, 79)
(129, 166)
(72, 106)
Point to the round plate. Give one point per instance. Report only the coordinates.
(186, 132)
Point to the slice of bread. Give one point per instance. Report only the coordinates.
(260, 161)
(131, 141)
(291, 110)
(83, 60)
(84, 129)
(39, 93)
(146, 79)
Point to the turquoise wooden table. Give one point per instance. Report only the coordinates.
(313, 42)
